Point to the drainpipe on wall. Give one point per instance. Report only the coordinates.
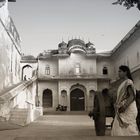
(37, 96)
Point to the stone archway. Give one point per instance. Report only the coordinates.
(91, 99)
(27, 71)
(77, 100)
(47, 98)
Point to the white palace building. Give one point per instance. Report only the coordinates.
(69, 75)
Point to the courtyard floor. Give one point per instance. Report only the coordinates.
(56, 127)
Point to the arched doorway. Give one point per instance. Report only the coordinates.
(77, 100)
(64, 97)
(47, 98)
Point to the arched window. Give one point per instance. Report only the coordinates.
(77, 68)
(64, 97)
(63, 93)
(47, 70)
(91, 93)
(105, 70)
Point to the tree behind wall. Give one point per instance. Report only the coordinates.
(128, 3)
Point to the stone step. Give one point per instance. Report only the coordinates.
(19, 110)
(19, 116)
(18, 113)
(18, 122)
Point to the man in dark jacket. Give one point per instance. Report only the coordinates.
(138, 108)
(103, 107)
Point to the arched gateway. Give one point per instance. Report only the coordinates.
(77, 98)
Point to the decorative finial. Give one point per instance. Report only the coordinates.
(88, 39)
(79, 36)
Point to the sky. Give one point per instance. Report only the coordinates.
(43, 24)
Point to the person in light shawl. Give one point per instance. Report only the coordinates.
(125, 107)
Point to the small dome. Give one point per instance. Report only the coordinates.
(76, 42)
(89, 44)
(28, 57)
(62, 44)
(76, 45)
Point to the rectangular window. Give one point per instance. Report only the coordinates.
(105, 70)
(47, 70)
(77, 68)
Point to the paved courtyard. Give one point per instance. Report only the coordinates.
(56, 127)
(51, 127)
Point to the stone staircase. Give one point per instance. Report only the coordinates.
(19, 116)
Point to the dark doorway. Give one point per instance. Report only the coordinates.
(77, 100)
(47, 98)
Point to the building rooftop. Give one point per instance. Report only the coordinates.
(127, 36)
(11, 0)
(28, 57)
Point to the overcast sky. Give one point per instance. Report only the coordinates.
(43, 24)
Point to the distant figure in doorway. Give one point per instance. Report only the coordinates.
(25, 78)
(125, 106)
(103, 107)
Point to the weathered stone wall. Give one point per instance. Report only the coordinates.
(13, 92)
(67, 66)
(53, 86)
(66, 85)
(9, 50)
(104, 62)
(87, 84)
(53, 65)
(128, 53)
